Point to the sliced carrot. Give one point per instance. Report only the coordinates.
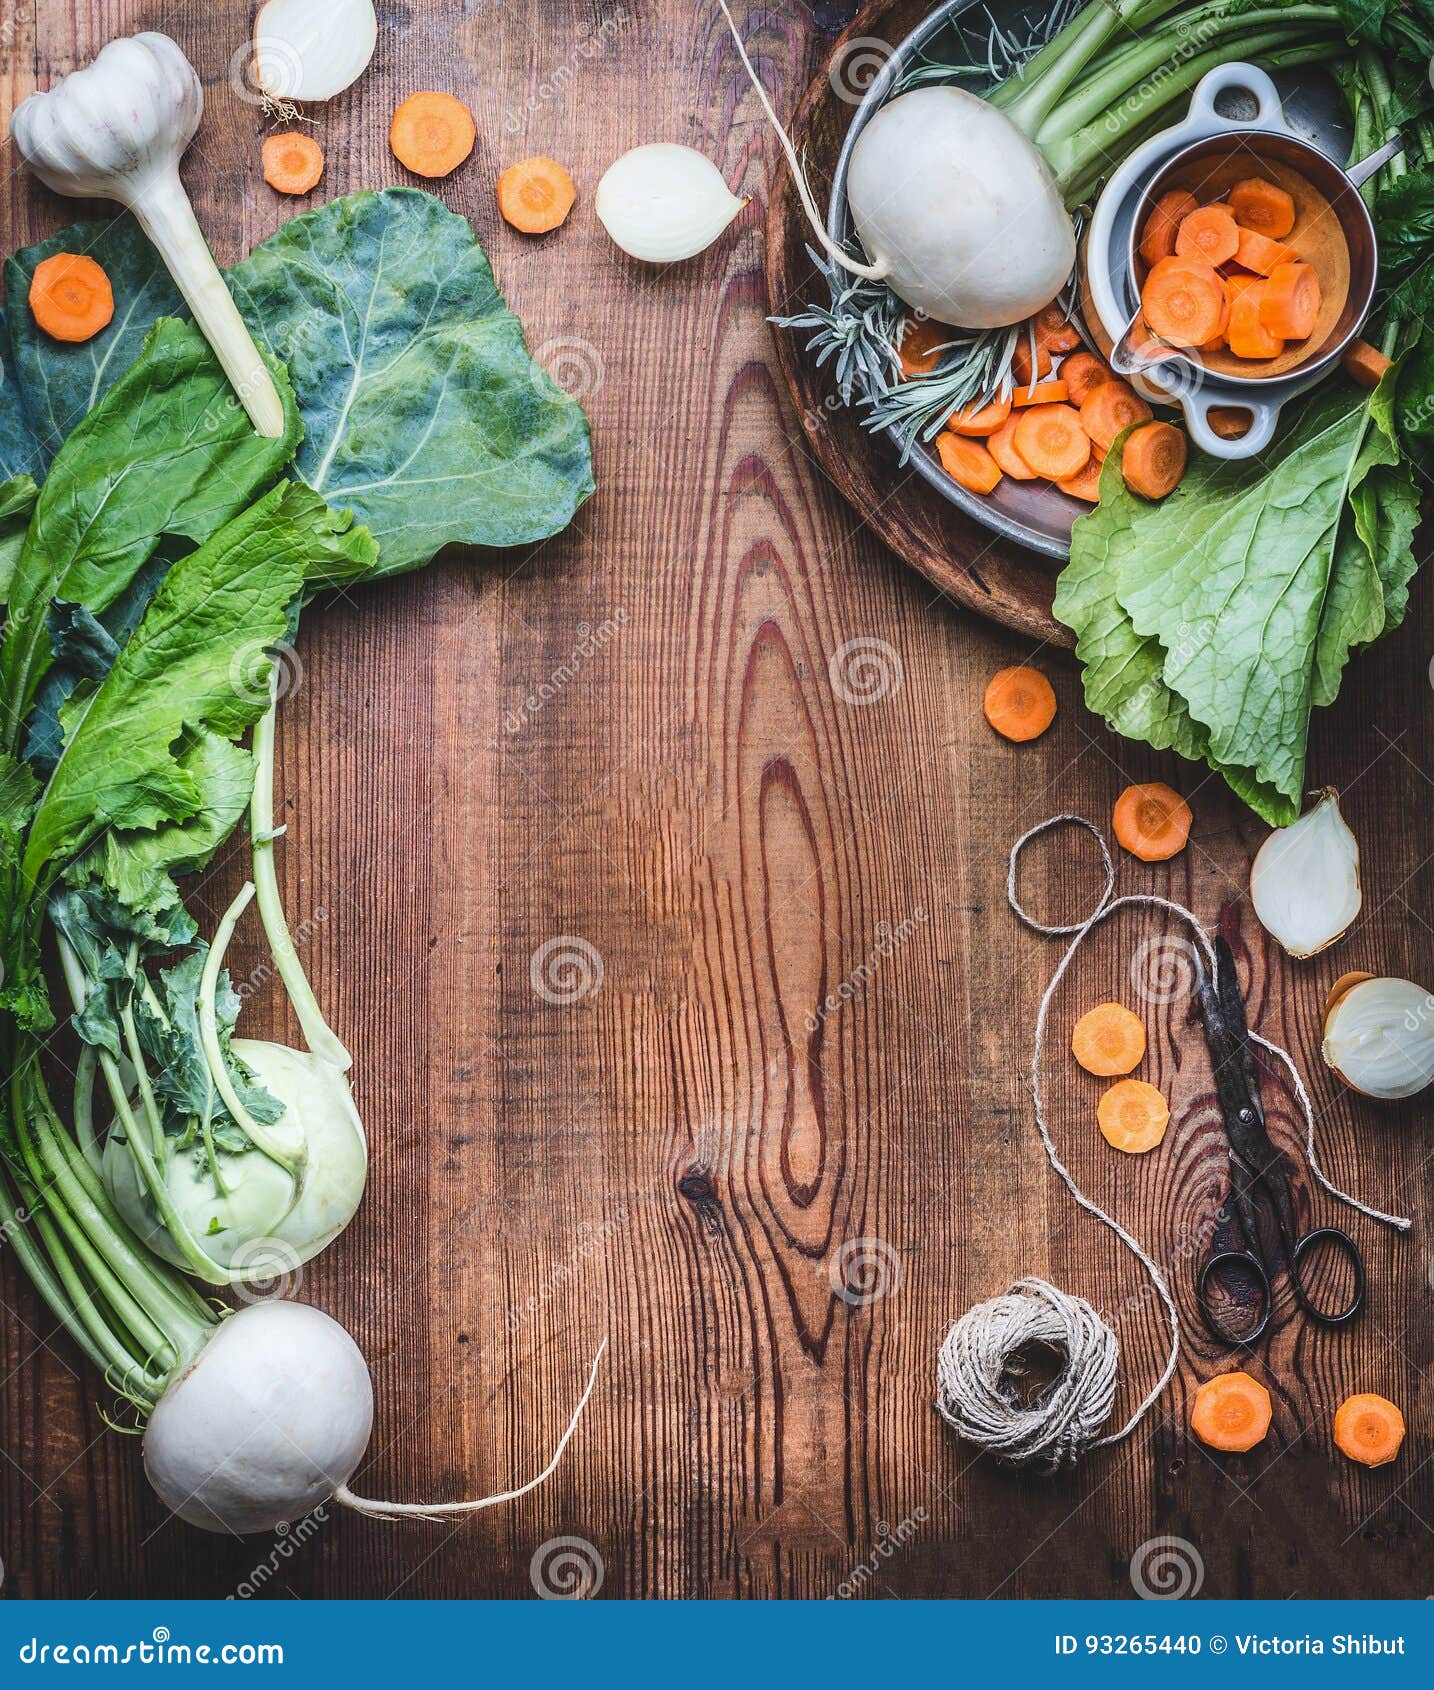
(535, 195)
(431, 134)
(920, 339)
(1132, 1117)
(70, 297)
(1051, 440)
(1218, 339)
(1232, 1412)
(1229, 422)
(1055, 330)
(1043, 393)
(1152, 821)
(1262, 207)
(1002, 447)
(1020, 703)
(1247, 334)
(1237, 281)
(1369, 1429)
(976, 421)
(968, 462)
(1108, 1040)
(1153, 459)
(1365, 363)
(1110, 407)
(1157, 239)
(1210, 233)
(1290, 302)
(1085, 483)
(1081, 372)
(1258, 253)
(1024, 369)
(293, 162)
(1183, 300)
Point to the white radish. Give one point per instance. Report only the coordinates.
(312, 49)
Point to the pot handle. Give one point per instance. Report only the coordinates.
(1269, 113)
(1264, 414)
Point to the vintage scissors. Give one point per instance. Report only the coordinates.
(1237, 1264)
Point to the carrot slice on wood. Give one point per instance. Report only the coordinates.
(977, 421)
(1110, 407)
(293, 163)
(1132, 1117)
(1290, 302)
(1210, 233)
(1024, 368)
(1153, 459)
(1183, 300)
(1260, 254)
(1246, 333)
(1020, 703)
(1051, 440)
(70, 297)
(431, 134)
(1085, 483)
(1152, 821)
(1043, 393)
(1055, 330)
(920, 340)
(1108, 1040)
(535, 195)
(1263, 207)
(1002, 447)
(1232, 1412)
(968, 462)
(1157, 239)
(1229, 422)
(1365, 363)
(1369, 1429)
(1081, 372)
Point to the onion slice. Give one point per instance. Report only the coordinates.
(1379, 1035)
(665, 202)
(312, 49)
(1305, 880)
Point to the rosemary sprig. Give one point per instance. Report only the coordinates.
(861, 329)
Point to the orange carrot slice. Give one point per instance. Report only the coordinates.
(1290, 302)
(1043, 393)
(1152, 460)
(1365, 363)
(1132, 1117)
(1002, 447)
(1152, 821)
(1157, 239)
(1210, 233)
(1229, 422)
(1369, 1429)
(1110, 407)
(1183, 300)
(976, 421)
(70, 297)
(1232, 1412)
(1262, 207)
(1258, 253)
(1081, 372)
(1108, 1040)
(293, 162)
(1020, 703)
(1247, 334)
(535, 195)
(968, 462)
(1024, 369)
(1052, 441)
(919, 342)
(1085, 483)
(1054, 329)
(431, 134)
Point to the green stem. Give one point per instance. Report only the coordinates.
(84, 1108)
(1046, 76)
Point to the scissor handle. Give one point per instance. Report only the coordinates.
(1346, 1247)
(1221, 1260)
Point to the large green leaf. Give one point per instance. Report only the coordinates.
(19, 451)
(423, 412)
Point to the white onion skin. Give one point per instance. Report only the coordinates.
(1304, 882)
(949, 194)
(267, 1421)
(1379, 1036)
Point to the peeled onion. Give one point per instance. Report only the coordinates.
(1379, 1035)
(312, 49)
(665, 202)
(1304, 883)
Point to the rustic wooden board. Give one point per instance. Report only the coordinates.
(677, 1158)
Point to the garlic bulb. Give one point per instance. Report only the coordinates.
(312, 49)
(1379, 1035)
(116, 130)
(665, 202)
(1305, 880)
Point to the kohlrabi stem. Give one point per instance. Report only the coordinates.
(84, 1109)
(16, 1219)
(1046, 75)
(318, 1035)
(291, 1161)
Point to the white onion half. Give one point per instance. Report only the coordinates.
(1379, 1036)
(665, 202)
(312, 49)
(1304, 883)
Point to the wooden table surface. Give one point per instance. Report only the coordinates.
(583, 948)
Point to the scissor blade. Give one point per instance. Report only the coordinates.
(1232, 1008)
(1223, 1013)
